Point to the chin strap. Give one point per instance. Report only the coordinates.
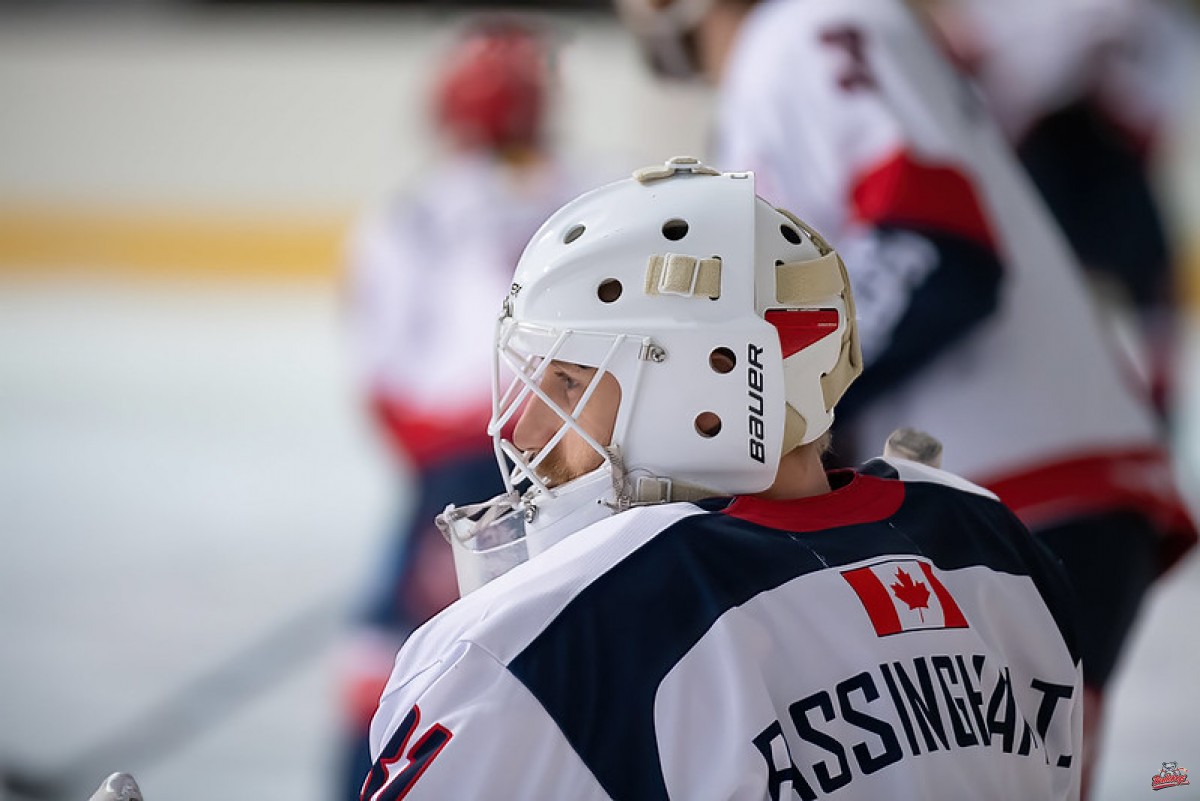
(653, 489)
(645, 490)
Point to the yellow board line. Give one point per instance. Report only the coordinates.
(137, 242)
(1190, 277)
(170, 242)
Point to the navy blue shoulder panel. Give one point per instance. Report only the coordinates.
(879, 468)
(959, 293)
(961, 529)
(597, 667)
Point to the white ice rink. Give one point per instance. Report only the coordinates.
(182, 470)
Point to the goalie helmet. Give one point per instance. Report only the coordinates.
(727, 323)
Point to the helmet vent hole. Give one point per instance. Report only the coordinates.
(609, 290)
(722, 360)
(675, 229)
(790, 234)
(708, 425)
(573, 233)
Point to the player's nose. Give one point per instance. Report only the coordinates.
(536, 425)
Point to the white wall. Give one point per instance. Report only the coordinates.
(313, 110)
(279, 109)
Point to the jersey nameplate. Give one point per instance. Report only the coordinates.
(942, 702)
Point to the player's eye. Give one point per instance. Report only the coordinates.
(567, 381)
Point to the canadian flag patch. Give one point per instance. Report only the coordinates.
(904, 595)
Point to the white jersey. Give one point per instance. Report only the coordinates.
(975, 322)
(891, 639)
(1033, 57)
(427, 274)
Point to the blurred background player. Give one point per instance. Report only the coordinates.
(425, 272)
(976, 324)
(1087, 92)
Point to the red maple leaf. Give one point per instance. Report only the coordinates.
(913, 593)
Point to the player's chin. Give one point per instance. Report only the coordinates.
(556, 469)
(556, 477)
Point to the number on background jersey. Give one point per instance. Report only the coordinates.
(384, 782)
(855, 72)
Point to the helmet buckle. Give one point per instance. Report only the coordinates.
(678, 164)
(650, 352)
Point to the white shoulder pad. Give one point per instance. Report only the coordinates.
(915, 471)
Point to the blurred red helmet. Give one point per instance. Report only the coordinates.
(492, 91)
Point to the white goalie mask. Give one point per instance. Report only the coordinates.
(727, 324)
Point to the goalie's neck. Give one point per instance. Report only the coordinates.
(801, 475)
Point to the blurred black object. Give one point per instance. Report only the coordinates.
(1093, 175)
(432, 5)
(421, 5)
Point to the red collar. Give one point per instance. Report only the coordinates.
(855, 499)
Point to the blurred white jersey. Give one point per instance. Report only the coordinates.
(852, 118)
(1032, 57)
(428, 272)
(891, 639)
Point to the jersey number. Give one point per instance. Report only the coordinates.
(855, 73)
(385, 782)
